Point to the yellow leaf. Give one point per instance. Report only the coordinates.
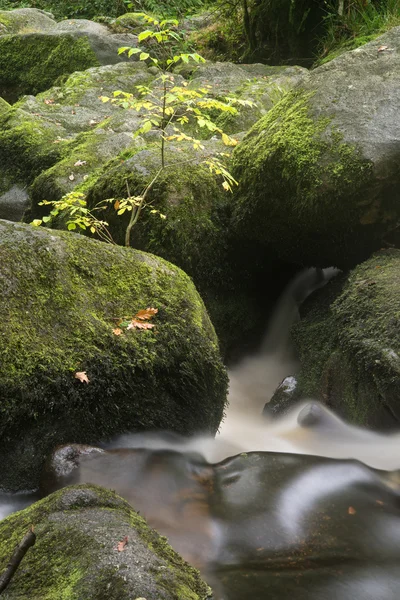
(116, 204)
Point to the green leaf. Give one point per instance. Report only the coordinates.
(145, 34)
(133, 51)
(36, 222)
(71, 226)
(144, 56)
(46, 219)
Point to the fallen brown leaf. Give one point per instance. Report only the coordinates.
(351, 510)
(81, 375)
(117, 331)
(146, 314)
(134, 324)
(382, 48)
(121, 545)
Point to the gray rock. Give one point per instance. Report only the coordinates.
(77, 533)
(24, 20)
(284, 398)
(13, 203)
(319, 172)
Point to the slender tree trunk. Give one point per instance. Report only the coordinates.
(250, 34)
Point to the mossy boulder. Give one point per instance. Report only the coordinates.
(25, 20)
(75, 556)
(62, 296)
(318, 174)
(64, 126)
(261, 85)
(4, 106)
(35, 50)
(349, 346)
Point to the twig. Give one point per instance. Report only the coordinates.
(28, 540)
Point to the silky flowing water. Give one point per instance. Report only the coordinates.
(268, 503)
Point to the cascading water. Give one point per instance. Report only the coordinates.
(280, 504)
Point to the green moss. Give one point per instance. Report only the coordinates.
(128, 23)
(67, 293)
(349, 344)
(31, 63)
(27, 145)
(74, 555)
(193, 236)
(4, 106)
(296, 164)
(55, 182)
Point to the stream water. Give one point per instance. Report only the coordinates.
(270, 507)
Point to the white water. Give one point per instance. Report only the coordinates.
(252, 384)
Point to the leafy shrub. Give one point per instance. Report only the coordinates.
(112, 8)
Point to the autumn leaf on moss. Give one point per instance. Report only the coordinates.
(81, 375)
(135, 324)
(146, 314)
(139, 321)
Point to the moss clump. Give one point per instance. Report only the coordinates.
(349, 345)
(4, 106)
(28, 144)
(62, 295)
(31, 63)
(74, 556)
(301, 186)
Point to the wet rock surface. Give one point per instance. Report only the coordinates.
(76, 552)
(292, 524)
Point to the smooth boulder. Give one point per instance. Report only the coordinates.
(319, 177)
(349, 346)
(257, 522)
(75, 556)
(63, 297)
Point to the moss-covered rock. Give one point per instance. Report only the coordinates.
(28, 144)
(349, 346)
(30, 63)
(35, 50)
(4, 106)
(65, 134)
(62, 296)
(319, 177)
(262, 85)
(25, 20)
(77, 530)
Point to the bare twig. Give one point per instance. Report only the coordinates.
(28, 540)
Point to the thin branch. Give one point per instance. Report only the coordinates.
(135, 214)
(28, 540)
